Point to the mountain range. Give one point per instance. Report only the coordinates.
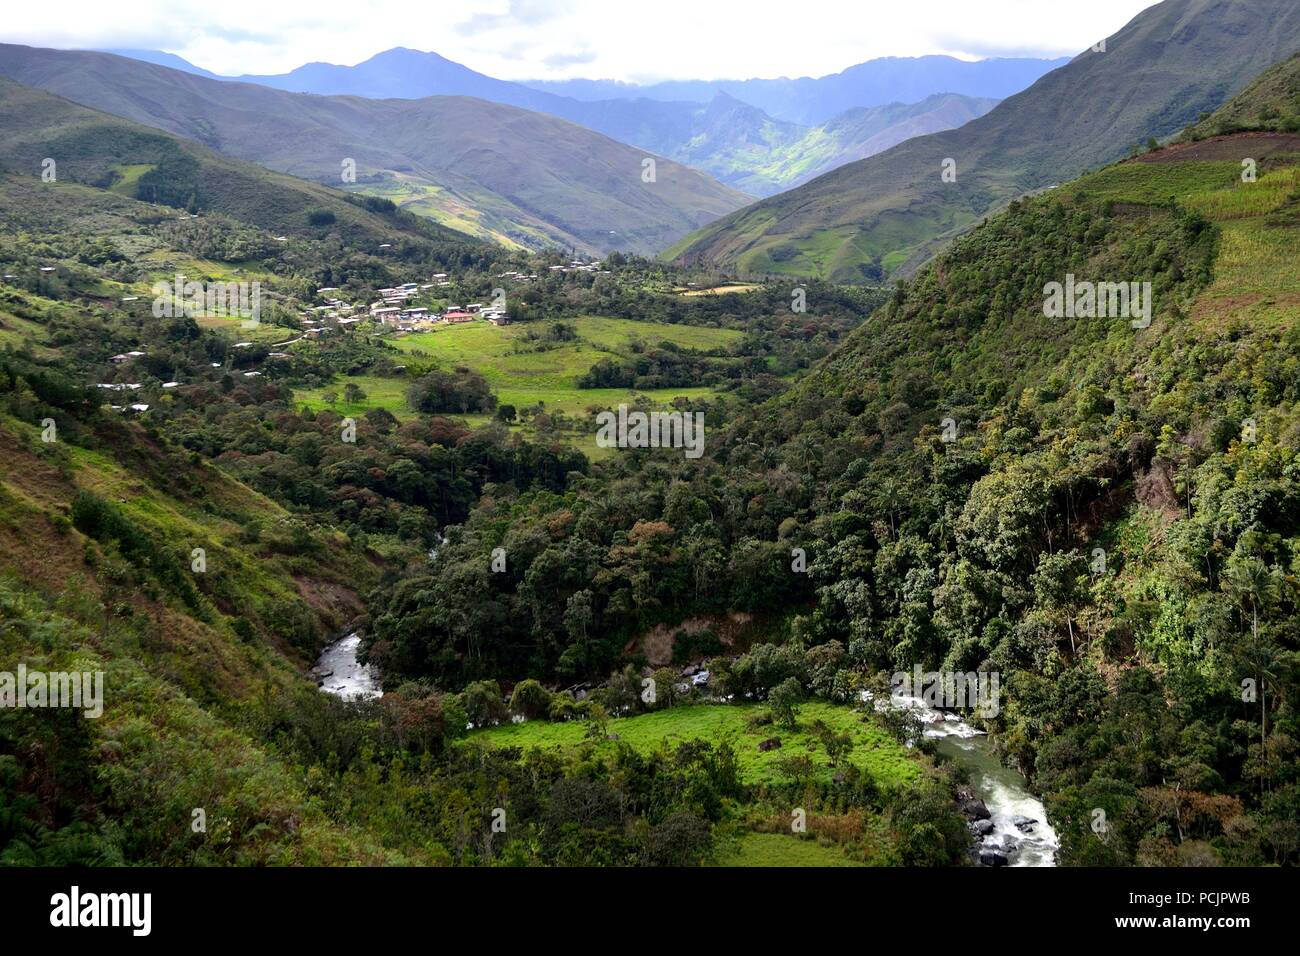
(871, 191)
(522, 178)
(805, 101)
(815, 100)
(718, 128)
(892, 210)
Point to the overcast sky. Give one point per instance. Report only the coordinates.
(636, 40)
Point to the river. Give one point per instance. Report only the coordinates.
(338, 671)
(1020, 831)
(341, 674)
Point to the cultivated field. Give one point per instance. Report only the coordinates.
(874, 750)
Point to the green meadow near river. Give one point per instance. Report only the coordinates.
(781, 849)
(874, 751)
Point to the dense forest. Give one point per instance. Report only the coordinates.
(1073, 437)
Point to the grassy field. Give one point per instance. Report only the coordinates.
(164, 264)
(729, 288)
(874, 750)
(459, 212)
(483, 341)
(387, 393)
(779, 849)
(264, 333)
(1257, 273)
(1153, 182)
(15, 332)
(522, 375)
(130, 181)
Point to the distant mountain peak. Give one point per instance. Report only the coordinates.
(160, 58)
(408, 53)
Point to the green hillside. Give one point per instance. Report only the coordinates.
(1270, 104)
(97, 531)
(96, 149)
(1173, 62)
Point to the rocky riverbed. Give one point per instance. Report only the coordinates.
(338, 671)
(1008, 823)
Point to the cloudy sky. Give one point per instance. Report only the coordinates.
(636, 40)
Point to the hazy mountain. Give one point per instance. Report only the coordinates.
(746, 148)
(1166, 67)
(402, 73)
(483, 168)
(806, 101)
(864, 132)
(732, 140)
(811, 101)
(159, 58)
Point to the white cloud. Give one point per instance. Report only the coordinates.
(617, 39)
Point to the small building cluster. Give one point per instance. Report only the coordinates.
(322, 319)
(407, 318)
(577, 265)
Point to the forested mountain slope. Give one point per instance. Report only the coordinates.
(1106, 515)
(1173, 62)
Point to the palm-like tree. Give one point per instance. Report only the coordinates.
(1256, 588)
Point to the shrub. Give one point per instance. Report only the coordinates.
(784, 700)
(484, 704)
(530, 700)
(681, 840)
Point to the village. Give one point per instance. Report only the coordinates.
(394, 311)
